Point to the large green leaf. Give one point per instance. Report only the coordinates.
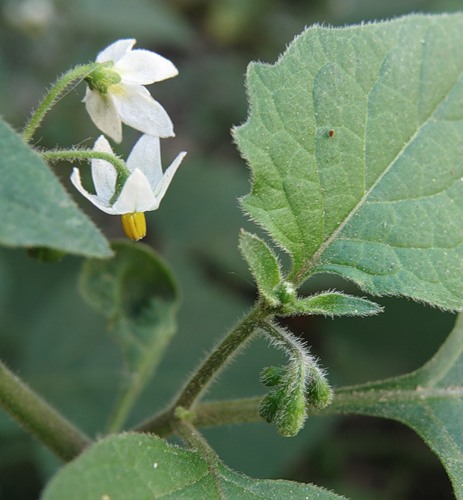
(140, 466)
(354, 141)
(137, 293)
(429, 400)
(36, 210)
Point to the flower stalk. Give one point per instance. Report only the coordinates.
(76, 74)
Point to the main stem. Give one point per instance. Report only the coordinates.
(43, 421)
(219, 357)
(205, 374)
(56, 90)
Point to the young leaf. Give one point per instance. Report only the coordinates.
(429, 400)
(137, 293)
(36, 210)
(333, 304)
(354, 139)
(141, 466)
(263, 263)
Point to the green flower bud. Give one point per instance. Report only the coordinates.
(272, 375)
(319, 393)
(291, 416)
(269, 405)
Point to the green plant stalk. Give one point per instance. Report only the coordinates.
(87, 155)
(246, 411)
(206, 373)
(192, 437)
(347, 400)
(220, 356)
(39, 418)
(196, 441)
(137, 381)
(50, 98)
(286, 341)
(124, 405)
(231, 412)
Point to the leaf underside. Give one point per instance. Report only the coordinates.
(37, 211)
(354, 139)
(429, 400)
(141, 466)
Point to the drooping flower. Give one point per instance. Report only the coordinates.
(143, 189)
(116, 91)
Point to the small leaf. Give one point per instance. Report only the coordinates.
(429, 400)
(263, 264)
(138, 466)
(36, 210)
(333, 304)
(378, 200)
(137, 293)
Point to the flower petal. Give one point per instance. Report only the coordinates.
(104, 174)
(76, 180)
(161, 188)
(144, 67)
(136, 195)
(146, 156)
(103, 114)
(139, 110)
(116, 50)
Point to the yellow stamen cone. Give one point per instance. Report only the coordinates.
(134, 225)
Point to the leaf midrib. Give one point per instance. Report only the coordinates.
(310, 263)
(379, 397)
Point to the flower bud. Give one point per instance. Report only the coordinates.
(272, 375)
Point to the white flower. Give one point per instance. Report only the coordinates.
(124, 98)
(143, 190)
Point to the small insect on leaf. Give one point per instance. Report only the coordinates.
(331, 133)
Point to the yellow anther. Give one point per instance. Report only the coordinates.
(134, 225)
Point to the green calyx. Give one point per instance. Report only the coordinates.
(103, 77)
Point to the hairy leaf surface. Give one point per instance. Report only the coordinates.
(141, 466)
(354, 139)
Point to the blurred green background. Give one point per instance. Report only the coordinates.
(62, 347)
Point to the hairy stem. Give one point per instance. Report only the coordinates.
(39, 418)
(285, 340)
(205, 374)
(244, 411)
(57, 89)
(87, 155)
(219, 357)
